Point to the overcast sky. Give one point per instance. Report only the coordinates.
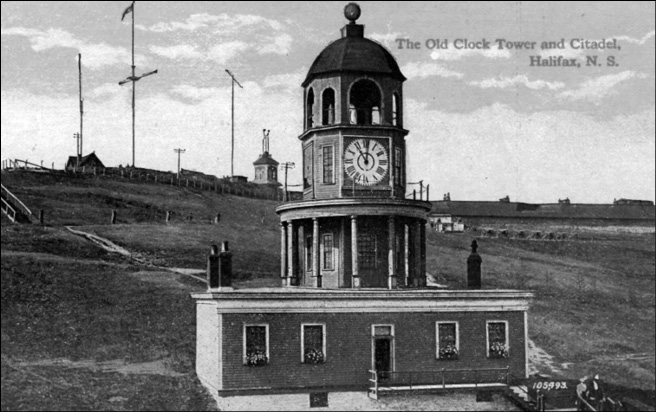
(483, 123)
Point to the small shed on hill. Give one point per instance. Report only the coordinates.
(89, 161)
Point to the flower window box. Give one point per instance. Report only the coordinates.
(314, 356)
(256, 358)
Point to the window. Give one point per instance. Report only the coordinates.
(497, 339)
(448, 345)
(313, 341)
(398, 166)
(256, 345)
(307, 166)
(364, 103)
(309, 111)
(327, 245)
(366, 251)
(328, 165)
(383, 330)
(396, 118)
(328, 106)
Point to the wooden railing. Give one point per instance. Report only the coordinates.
(23, 164)
(12, 200)
(438, 379)
(8, 210)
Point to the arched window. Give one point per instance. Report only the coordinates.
(328, 106)
(364, 103)
(310, 108)
(396, 110)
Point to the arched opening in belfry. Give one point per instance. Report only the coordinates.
(328, 106)
(364, 103)
(396, 110)
(309, 109)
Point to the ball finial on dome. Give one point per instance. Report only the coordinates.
(352, 12)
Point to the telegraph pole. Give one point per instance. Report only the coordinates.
(133, 78)
(79, 67)
(179, 151)
(232, 158)
(286, 166)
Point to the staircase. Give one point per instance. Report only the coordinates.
(13, 208)
(519, 395)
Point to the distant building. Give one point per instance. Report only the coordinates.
(266, 168)
(476, 213)
(619, 202)
(445, 223)
(88, 161)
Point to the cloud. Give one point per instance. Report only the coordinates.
(196, 93)
(458, 54)
(280, 44)
(221, 38)
(421, 70)
(105, 90)
(94, 55)
(220, 24)
(594, 90)
(633, 40)
(290, 81)
(503, 82)
(180, 51)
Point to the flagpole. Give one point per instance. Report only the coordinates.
(133, 92)
(133, 78)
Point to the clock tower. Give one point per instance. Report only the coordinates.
(354, 227)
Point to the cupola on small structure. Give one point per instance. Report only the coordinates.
(266, 167)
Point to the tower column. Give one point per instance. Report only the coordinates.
(416, 252)
(354, 252)
(283, 253)
(407, 244)
(291, 252)
(315, 254)
(391, 254)
(422, 254)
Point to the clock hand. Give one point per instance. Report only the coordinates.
(362, 154)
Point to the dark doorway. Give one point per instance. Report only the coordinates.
(383, 357)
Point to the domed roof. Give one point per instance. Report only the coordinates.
(265, 159)
(354, 53)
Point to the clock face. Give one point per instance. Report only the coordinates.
(366, 161)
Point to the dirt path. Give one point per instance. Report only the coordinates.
(112, 247)
(157, 367)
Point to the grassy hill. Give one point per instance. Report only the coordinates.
(77, 320)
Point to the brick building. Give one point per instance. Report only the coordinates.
(353, 306)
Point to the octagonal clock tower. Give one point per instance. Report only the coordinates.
(354, 227)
